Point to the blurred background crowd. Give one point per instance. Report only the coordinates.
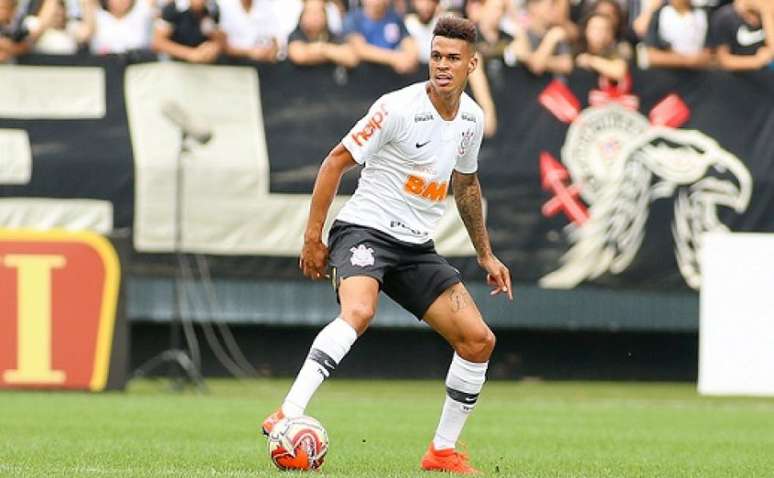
(607, 37)
(552, 36)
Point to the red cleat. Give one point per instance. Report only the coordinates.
(271, 420)
(447, 460)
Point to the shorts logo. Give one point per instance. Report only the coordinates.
(362, 256)
(374, 124)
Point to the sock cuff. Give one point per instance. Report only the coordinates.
(473, 367)
(466, 377)
(340, 326)
(334, 340)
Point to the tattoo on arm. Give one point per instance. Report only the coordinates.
(467, 194)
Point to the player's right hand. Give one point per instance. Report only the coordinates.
(314, 259)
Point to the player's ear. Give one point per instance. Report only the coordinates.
(473, 61)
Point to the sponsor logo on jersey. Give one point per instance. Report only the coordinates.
(374, 124)
(399, 225)
(420, 117)
(468, 117)
(465, 142)
(427, 189)
(362, 256)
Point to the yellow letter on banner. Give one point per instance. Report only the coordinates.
(34, 319)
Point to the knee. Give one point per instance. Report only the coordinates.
(359, 316)
(477, 347)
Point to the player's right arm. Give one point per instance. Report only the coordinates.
(314, 255)
(377, 128)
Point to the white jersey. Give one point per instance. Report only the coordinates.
(409, 153)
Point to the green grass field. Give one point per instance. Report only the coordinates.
(381, 428)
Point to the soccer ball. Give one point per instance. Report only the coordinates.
(298, 443)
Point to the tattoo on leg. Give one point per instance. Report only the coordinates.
(458, 298)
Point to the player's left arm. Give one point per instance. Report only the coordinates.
(467, 194)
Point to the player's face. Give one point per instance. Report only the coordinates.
(451, 61)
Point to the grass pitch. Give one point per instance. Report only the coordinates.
(381, 428)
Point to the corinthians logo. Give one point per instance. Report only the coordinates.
(619, 162)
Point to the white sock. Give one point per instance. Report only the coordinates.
(329, 347)
(463, 385)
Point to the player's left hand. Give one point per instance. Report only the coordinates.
(497, 275)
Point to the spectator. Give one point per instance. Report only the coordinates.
(251, 29)
(613, 10)
(189, 31)
(479, 86)
(676, 38)
(561, 18)
(541, 47)
(458, 7)
(599, 50)
(123, 26)
(289, 13)
(14, 36)
(635, 9)
(56, 34)
(743, 35)
(312, 43)
(420, 26)
(496, 21)
(642, 12)
(378, 35)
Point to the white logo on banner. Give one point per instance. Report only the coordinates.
(226, 206)
(685, 165)
(15, 157)
(26, 93)
(362, 256)
(594, 142)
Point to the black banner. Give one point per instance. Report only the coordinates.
(632, 175)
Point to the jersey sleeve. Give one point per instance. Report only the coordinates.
(469, 146)
(378, 127)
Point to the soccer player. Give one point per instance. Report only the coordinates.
(412, 142)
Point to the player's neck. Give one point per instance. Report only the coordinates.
(446, 105)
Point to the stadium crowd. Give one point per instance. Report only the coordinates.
(543, 36)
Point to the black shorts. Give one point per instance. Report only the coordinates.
(413, 275)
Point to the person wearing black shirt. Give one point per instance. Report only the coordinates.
(313, 44)
(189, 32)
(743, 35)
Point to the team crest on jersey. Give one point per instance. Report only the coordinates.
(616, 164)
(362, 256)
(465, 142)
